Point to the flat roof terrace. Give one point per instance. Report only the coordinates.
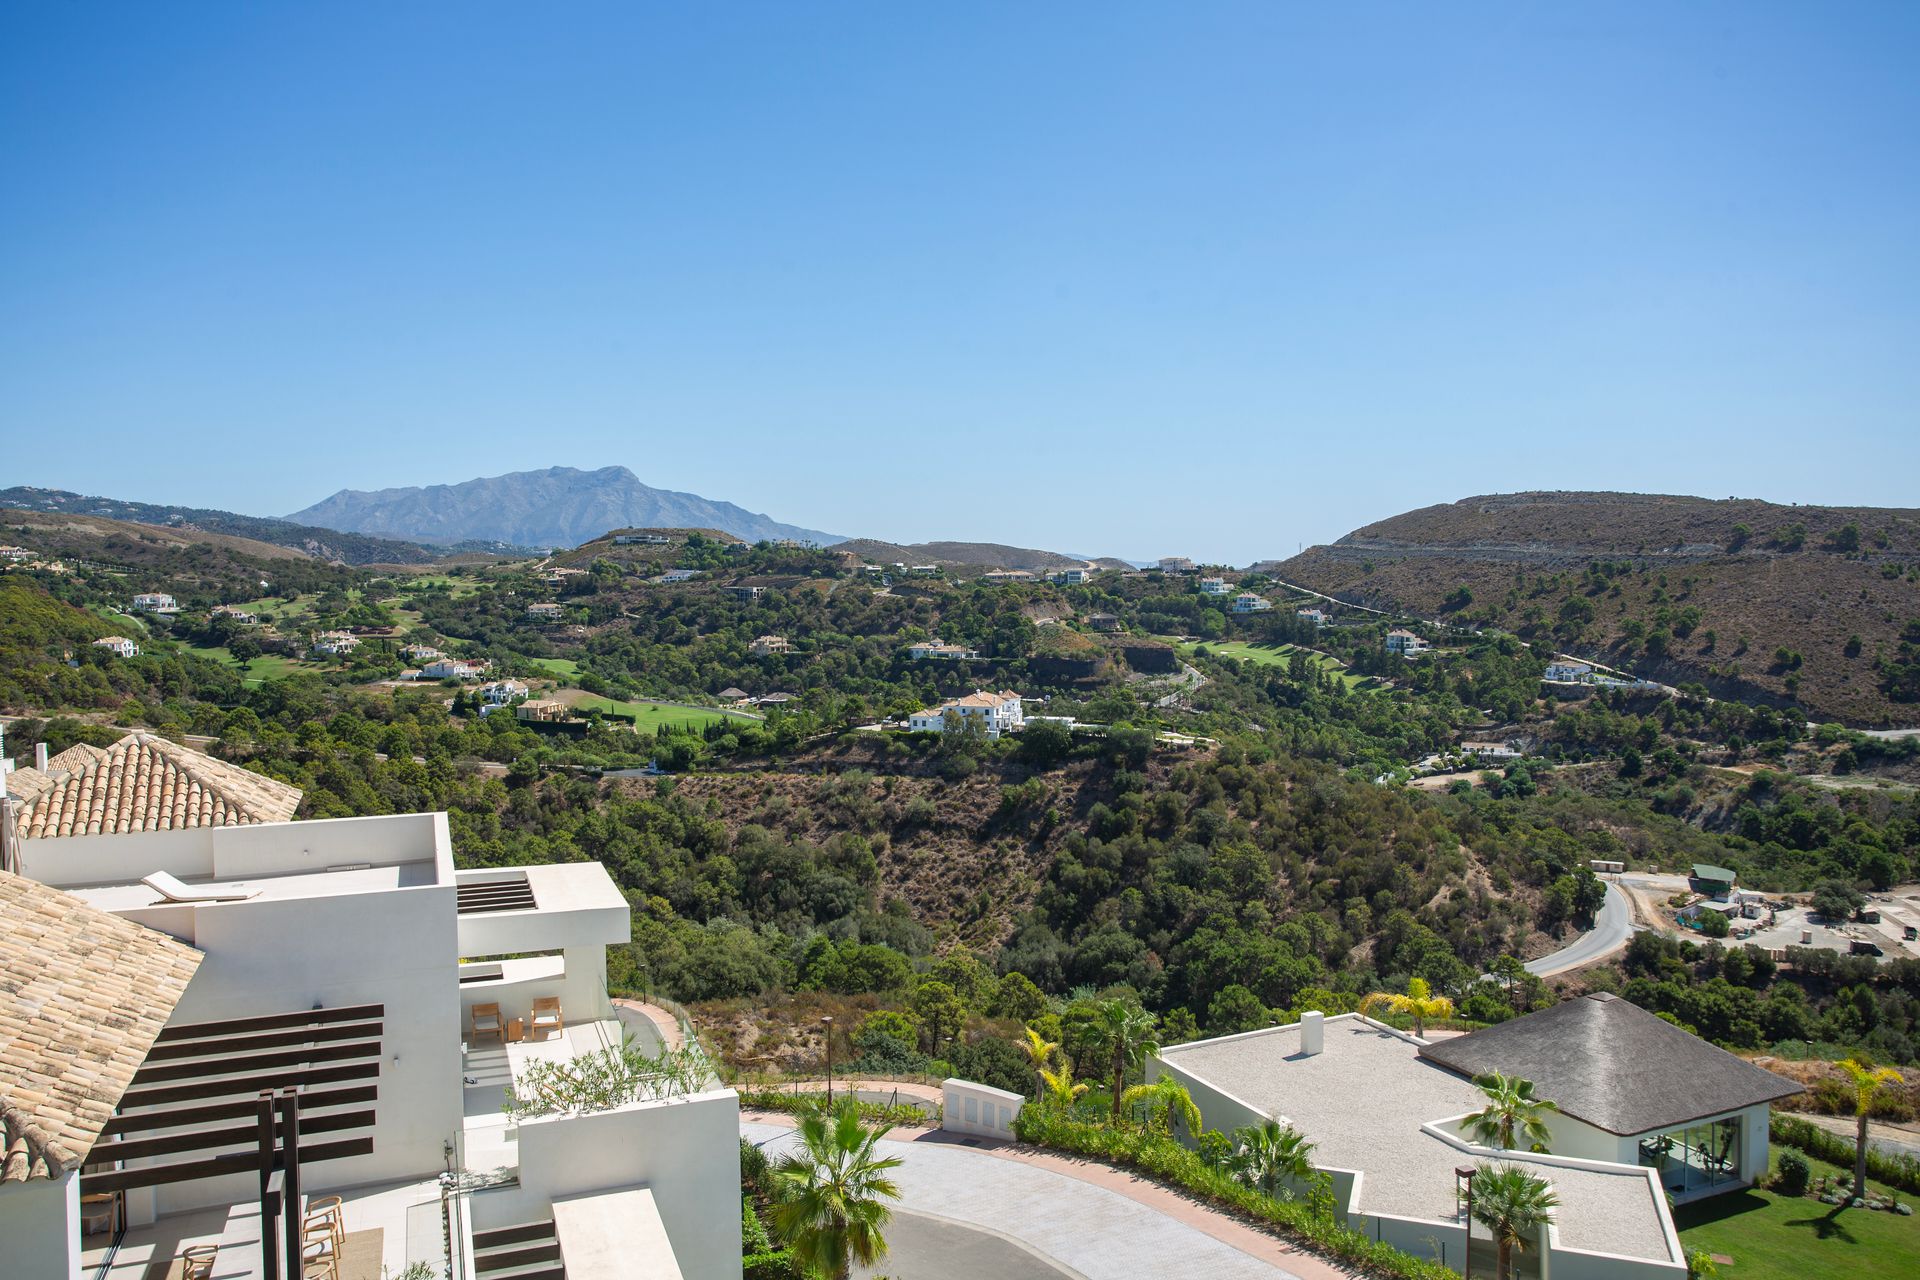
(290, 885)
(1363, 1101)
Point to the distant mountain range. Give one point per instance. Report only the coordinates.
(558, 507)
(322, 544)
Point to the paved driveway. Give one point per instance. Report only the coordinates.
(1611, 929)
(1086, 1230)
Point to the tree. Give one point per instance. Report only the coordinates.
(1513, 1205)
(1836, 900)
(1236, 1009)
(1040, 1052)
(1272, 1158)
(1125, 1033)
(834, 1192)
(1045, 743)
(1511, 1112)
(940, 1010)
(1419, 1001)
(1059, 1088)
(1017, 997)
(1868, 1082)
(1166, 1100)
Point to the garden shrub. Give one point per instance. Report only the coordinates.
(1893, 1170)
(1793, 1174)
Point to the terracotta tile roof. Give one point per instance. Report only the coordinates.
(82, 995)
(143, 783)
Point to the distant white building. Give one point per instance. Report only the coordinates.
(444, 668)
(156, 602)
(1317, 617)
(239, 617)
(1006, 577)
(680, 575)
(944, 652)
(15, 554)
(335, 644)
(546, 612)
(1214, 587)
(420, 652)
(1248, 602)
(1569, 670)
(998, 712)
(1405, 643)
(120, 645)
(1073, 577)
(641, 539)
(769, 646)
(499, 693)
(924, 570)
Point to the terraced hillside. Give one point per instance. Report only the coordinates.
(1817, 606)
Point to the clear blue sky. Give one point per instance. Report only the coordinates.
(1109, 278)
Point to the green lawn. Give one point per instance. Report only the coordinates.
(558, 668)
(1276, 655)
(1772, 1237)
(651, 715)
(268, 666)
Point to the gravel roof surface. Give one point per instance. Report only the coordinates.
(1363, 1100)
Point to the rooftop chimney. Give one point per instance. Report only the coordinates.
(40, 756)
(1313, 1032)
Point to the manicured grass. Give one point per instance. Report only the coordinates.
(1772, 1237)
(650, 715)
(268, 666)
(1277, 655)
(558, 668)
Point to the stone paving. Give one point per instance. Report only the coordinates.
(1095, 1231)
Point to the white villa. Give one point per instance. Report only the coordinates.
(680, 575)
(1317, 617)
(999, 712)
(209, 1027)
(119, 645)
(1176, 564)
(1568, 670)
(546, 612)
(944, 652)
(1248, 602)
(421, 652)
(1214, 587)
(156, 602)
(334, 644)
(1073, 577)
(239, 617)
(641, 539)
(770, 646)
(500, 693)
(1006, 577)
(445, 668)
(1405, 643)
(1646, 1109)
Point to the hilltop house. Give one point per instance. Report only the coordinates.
(641, 540)
(119, 645)
(444, 668)
(998, 712)
(1645, 1109)
(1102, 622)
(1566, 669)
(1073, 577)
(211, 1029)
(769, 646)
(943, 652)
(546, 611)
(679, 575)
(1405, 643)
(1214, 587)
(1176, 564)
(334, 644)
(559, 574)
(1006, 577)
(923, 570)
(156, 602)
(1248, 602)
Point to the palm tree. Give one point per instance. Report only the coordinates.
(1418, 1001)
(1868, 1082)
(1272, 1157)
(1513, 1205)
(1125, 1033)
(1511, 1111)
(1167, 1100)
(1061, 1089)
(833, 1192)
(1039, 1051)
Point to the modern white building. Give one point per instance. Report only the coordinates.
(334, 644)
(1006, 577)
(1214, 587)
(998, 712)
(1405, 643)
(118, 645)
(641, 540)
(1248, 602)
(500, 693)
(156, 602)
(546, 611)
(1176, 564)
(161, 981)
(680, 575)
(1073, 577)
(1646, 1110)
(445, 668)
(942, 652)
(1566, 669)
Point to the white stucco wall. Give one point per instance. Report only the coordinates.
(978, 1109)
(687, 1151)
(40, 1228)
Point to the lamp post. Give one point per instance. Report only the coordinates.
(1463, 1177)
(827, 1022)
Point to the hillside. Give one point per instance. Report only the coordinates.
(1815, 606)
(964, 556)
(558, 507)
(323, 544)
(75, 534)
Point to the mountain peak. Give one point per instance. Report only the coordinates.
(558, 506)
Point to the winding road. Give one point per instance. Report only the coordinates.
(1610, 932)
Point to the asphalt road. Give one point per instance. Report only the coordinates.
(1609, 933)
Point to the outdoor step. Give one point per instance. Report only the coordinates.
(515, 1234)
(489, 1261)
(531, 1271)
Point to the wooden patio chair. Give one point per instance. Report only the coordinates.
(487, 1022)
(196, 1261)
(546, 1016)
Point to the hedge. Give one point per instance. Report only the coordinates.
(777, 1265)
(1169, 1162)
(1893, 1170)
(871, 1112)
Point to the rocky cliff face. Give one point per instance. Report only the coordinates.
(561, 506)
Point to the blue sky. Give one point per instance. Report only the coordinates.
(1111, 278)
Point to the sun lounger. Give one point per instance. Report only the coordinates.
(174, 890)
